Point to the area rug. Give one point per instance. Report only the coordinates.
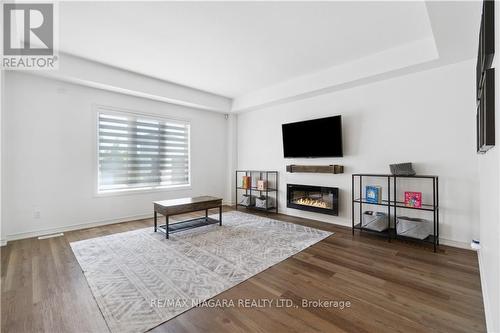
(140, 280)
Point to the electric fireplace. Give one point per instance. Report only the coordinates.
(318, 199)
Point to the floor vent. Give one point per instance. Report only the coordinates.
(51, 236)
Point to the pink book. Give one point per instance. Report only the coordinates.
(413, 199)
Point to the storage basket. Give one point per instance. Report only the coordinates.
(247, 200)
(376, 221)
(413, 227)
(402, 169)
(260, 202)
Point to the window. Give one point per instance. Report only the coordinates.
(141, 152)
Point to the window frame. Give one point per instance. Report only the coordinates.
(98, 109)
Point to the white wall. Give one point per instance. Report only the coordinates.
(489, 255)
(489, 180)
(427, 118)
(2, 100)
(232, 156)
(49, 157)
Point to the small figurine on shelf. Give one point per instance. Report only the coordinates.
(413, 199)
(373, 194)
(261, 185)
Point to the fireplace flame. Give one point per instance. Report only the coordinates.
(311, 202)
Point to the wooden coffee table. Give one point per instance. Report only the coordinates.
(182, 206)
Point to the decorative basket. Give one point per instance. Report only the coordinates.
(413, 227)
(402, 169)
(376, 221)
(261, 202)
(247, 200)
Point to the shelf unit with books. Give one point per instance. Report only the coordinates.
(393, 205)
(269, 191)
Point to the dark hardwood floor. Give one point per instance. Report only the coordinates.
(392, 287)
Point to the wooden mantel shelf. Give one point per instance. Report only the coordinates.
(315, 168)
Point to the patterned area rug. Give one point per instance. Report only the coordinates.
(140, 280)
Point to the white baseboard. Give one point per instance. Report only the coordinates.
(43, 232)
(452, 243)
(484, 290)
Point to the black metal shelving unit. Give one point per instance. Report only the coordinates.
(269, 177)
(392, 202)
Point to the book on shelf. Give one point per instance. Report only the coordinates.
(246, 182)
(373, 194)
(413, 199)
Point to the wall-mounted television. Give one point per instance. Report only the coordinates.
(313, 138)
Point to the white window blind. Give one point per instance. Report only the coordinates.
(141, 152)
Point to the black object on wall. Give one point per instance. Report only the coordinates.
(313, 138)
(319, 199)
(486, 113)
(485, 80)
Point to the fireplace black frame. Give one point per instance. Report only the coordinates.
(335, 203)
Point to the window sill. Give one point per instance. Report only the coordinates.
(141, 191)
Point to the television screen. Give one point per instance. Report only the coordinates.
(313, 138)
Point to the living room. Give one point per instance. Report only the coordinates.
(250, 166)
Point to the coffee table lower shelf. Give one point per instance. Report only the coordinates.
(186, 225)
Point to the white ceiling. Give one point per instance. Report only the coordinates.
(235, 48)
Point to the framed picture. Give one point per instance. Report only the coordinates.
(485, 80)
(373, 194)
(413, 199)
(485, 114)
